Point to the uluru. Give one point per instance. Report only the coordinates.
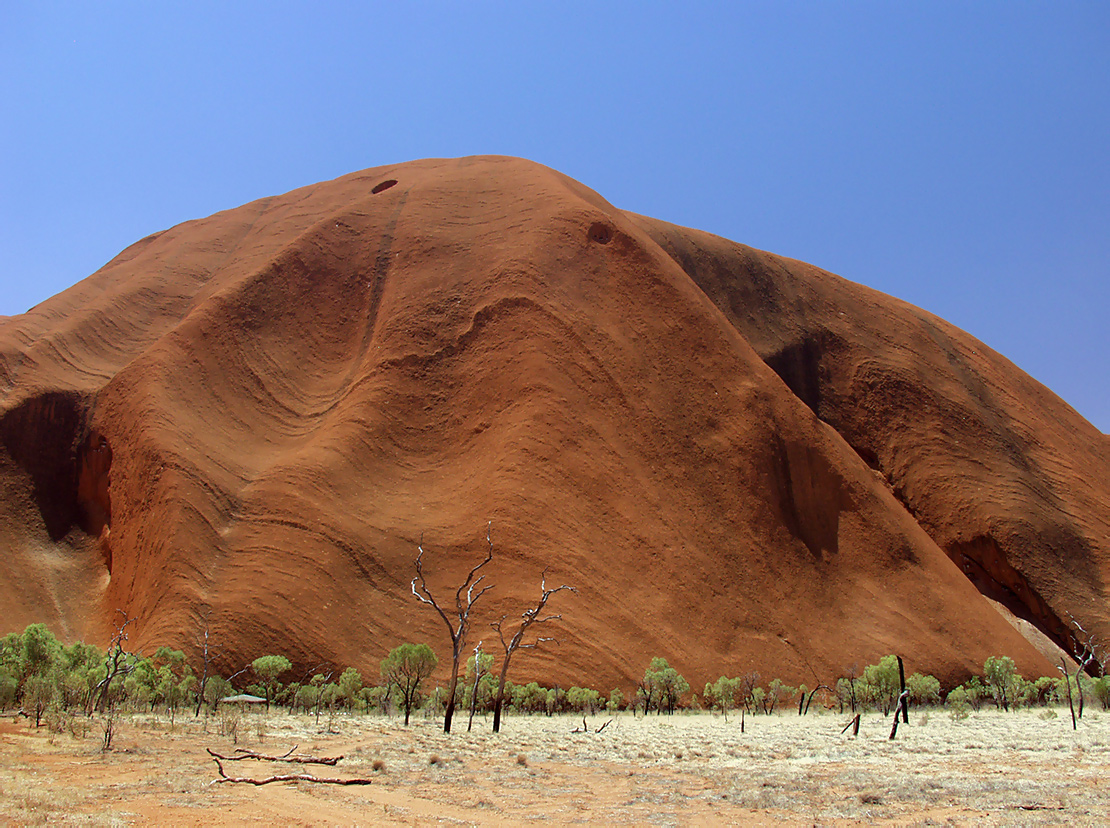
(249, 422)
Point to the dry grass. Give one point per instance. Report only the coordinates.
(991, 768)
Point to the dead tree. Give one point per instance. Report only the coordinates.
(1086, 649)
(205, 661)
(529, 617)
(117, 663)
(458, 625)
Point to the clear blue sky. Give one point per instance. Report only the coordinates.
(956, 155)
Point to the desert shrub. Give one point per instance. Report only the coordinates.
(40, 691)
(8, 685)
(881, 684)
(231, 717)
(1002, 680)
(350, 683)
(959, 706)
(664, 685)
(976, 692)
(530, 697)
(1101, 689)
(584, 700)
(923, 689)
(616, 700)
(216, 688)
(777, 693)
(722, 694)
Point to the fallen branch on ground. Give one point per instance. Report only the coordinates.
(285, 757)
(285, 777)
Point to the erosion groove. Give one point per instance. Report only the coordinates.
(252, 419)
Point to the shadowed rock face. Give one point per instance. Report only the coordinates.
(741, 461)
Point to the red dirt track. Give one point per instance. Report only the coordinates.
(741, 461)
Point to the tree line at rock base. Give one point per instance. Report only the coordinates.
(55, 685)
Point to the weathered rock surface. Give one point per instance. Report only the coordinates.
(741, 461)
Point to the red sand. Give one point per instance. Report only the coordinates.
(741, 461)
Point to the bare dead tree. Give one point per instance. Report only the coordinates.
(458, 623)
(206, 659)
(1087, 650)
(117, 662)
(532, 615)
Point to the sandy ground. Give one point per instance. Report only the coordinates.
(1016, 769)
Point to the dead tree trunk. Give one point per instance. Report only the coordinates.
(459, 625)
(474, 690)
(854, 724)
(902, 691)
(527, 619)
(205, 660)
(899, 707)
(1067, 682)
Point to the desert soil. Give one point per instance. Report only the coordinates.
(1015, 769)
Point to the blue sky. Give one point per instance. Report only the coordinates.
(956, 155)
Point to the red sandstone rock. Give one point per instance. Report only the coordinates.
(741, 461)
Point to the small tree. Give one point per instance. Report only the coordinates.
(923, 689)
(460, 626)
(882, 683)
(350, 682)
(751, 694)
(1002, 679)
(405, 668)
(268, 668)
(40, 690)
(616, 700)
(958, 704)
(777, 693)
(721, 694)
(665, 684)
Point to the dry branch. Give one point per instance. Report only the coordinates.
(285, 777)
(300, 758)
(586, 728)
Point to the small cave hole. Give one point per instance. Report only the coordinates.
(600, 232)
(385, 185)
